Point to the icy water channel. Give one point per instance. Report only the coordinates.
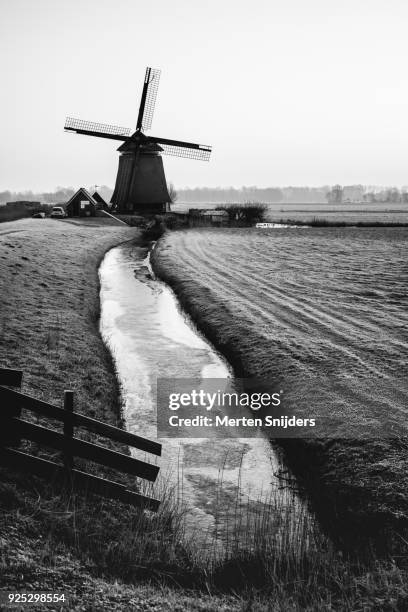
(229, 488)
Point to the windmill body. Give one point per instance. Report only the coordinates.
(140, 182)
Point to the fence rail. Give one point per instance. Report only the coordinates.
(79, 420)
(14, 428)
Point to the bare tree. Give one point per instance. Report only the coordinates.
(172, 193)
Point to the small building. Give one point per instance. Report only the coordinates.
(82, 204)
(208, 217)
(103, 205)
(216, 217)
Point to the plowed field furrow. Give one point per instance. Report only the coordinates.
(256, 264)
(328, 300)
(287, 311)
(370, 323)
(364, 322)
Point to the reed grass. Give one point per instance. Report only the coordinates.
(271, 552)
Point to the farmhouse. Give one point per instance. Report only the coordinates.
(82, 204)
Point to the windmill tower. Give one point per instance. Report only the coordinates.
(140, 182)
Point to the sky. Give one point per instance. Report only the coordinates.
(288, 92)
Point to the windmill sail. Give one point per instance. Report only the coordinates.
(148, 100)
(183, 149)
(102, 130)
(153, 86)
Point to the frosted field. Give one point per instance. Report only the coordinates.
(348, 213)
(345, 213)
(313, 306)
(330, 299)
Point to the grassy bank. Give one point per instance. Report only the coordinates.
(50, 311)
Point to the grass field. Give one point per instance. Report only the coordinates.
(366, 212)
(48, 271)
(314, 307)
(349, 213)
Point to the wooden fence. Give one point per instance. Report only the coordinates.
(13, 429)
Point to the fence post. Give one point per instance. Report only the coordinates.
(8, 434)
(68, 429)
(11, 378)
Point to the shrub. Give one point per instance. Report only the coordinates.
(13, 213)
(244, 214)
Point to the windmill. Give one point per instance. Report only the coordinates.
(140, 182)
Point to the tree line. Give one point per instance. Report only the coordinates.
(59, 196)
(242, 195)
(360, 193)
(314, 195)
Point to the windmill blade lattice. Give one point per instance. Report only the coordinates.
(202, 153)
(79, 125)
(152, 77)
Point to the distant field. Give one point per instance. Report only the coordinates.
(349, 213)
(323, 305)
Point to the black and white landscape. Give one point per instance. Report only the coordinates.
(204, 356)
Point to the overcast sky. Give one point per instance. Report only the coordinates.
(288, 92)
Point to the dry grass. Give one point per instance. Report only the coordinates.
(78, 545)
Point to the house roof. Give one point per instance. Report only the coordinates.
(85, 194)
(98, 198)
